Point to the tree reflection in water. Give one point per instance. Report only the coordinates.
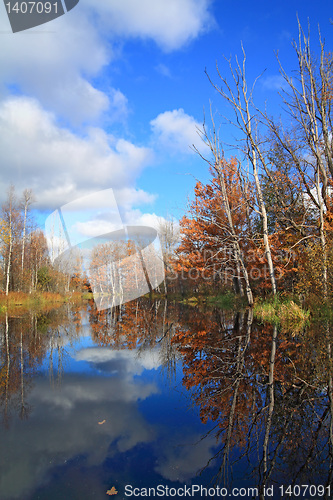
(267, 390)
(25, 342)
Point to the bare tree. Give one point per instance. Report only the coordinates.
(237, 94)
(308, 100)
(169, 238)
(27, 199)
(213, 143)
(12, 221)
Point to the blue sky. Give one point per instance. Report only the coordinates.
(110, 95)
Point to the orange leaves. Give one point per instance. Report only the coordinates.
(206, 254)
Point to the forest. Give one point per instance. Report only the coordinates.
(261, 226)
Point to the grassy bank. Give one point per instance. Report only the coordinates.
(19, 302)
(285, 312)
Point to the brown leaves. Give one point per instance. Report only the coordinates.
(112, 491)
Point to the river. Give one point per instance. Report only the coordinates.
(158, 399)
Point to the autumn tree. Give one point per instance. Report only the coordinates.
(306, 147)
(169, 239)
(237, 94)
(284, 179)
(12, 222)
(27, 199)
(214, 231)
(235, 199)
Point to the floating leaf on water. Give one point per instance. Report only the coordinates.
(113, 490)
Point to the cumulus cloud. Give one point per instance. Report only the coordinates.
(97, 226)
(96, 214)
(58, 164)
(169, 23)
(127, 197)
(135, 217)
(55, 437)
(124, 363)
(55, 63)
(52, 75)
(176, 131)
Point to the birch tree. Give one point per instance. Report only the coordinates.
(12, 221)
(238, 95)
(218, 165)
(169, 238)
(308, 99)
(27, 199)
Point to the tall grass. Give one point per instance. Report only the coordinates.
(288, 314)
(21, 302)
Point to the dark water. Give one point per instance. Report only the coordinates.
(161, 400)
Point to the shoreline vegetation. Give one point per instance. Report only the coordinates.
(20, 302)
(286, 312)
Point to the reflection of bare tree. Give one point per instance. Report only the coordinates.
(266, 392)
(215, 347)
(141, 325)
(7, 370)
(243, 342)
(168, 353)
(25, 408)
(26, 342)
(269, 398)
(57, 352)
(266, 471)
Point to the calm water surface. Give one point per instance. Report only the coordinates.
(157, 395)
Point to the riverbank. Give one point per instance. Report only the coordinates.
(287, 311)
(19, 302)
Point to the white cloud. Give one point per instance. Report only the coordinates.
(84, 400)
(57, 61)
(58, 164)
(176, 131)
(94, 228)
(83, 230)
(58, 66)
(118, 110)
(128, 361)
(54, 64)
(273, 82)
(128, 197)
(169, 23)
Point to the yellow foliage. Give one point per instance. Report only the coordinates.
(4, 232)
